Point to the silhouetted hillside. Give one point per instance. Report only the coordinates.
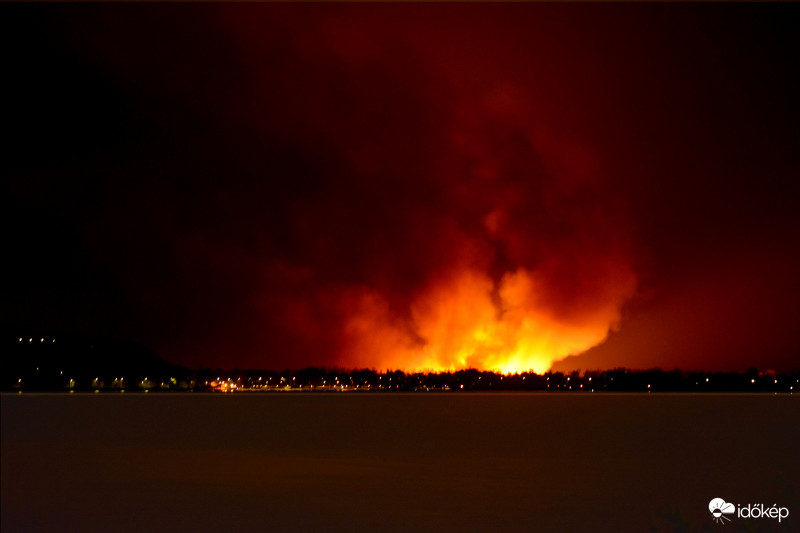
(47, 361)
(54, 361)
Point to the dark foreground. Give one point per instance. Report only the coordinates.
(396, 462)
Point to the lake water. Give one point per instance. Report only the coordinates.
(396, 462)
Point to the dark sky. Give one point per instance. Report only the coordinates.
(407, 186)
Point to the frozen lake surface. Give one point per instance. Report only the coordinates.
(395, 462)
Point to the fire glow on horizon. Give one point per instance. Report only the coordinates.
(467, 234)
(522, 261)
(371, 199)
(407, 186)
(461, 327)
(501, 250)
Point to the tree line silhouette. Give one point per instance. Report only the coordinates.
(56, 362)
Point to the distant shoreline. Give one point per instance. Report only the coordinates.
(389, 393)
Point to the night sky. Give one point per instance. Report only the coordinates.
(406, 186)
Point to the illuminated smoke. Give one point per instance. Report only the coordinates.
(453, 228)
(513, 257)
(537, 268)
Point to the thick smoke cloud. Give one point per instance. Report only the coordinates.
(399, 186)
(443, 226)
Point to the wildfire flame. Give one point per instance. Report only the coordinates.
(453, 229)
(460, 325)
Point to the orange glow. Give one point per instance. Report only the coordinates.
(505, 251)
(223, 386)
(460, 325)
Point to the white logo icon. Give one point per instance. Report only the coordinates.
(719, 509)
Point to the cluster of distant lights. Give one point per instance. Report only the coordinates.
(230, 385)
(30, 340)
